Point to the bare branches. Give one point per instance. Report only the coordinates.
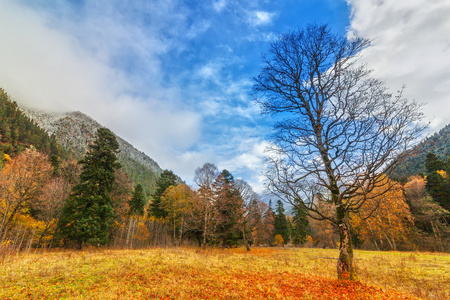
(339, 129)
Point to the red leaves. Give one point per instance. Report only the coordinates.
(185, 284)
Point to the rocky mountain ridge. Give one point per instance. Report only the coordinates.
(75, 131)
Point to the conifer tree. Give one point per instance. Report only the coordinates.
(437, 180)
(137, 202)
(228, 208)
(281, 224)
(167, 179)
(299, 232)
(433, 163)
(88, 213)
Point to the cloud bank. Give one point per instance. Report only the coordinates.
(411, 47)
(120, 64)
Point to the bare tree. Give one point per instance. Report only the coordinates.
(50, 203)
(204, 178)
(338, 129)
(250, 203)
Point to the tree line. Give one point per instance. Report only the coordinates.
(92, 202)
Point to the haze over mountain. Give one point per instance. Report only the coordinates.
(75, 130)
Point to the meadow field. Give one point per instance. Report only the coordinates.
(191, 273)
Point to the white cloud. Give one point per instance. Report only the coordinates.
(219, 5)
(45, 67)
(250, 161)
(411, 46)
(257, 18)
(111, 66)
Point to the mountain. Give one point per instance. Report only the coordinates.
(18, 132)
(438, 143)
(75, 130)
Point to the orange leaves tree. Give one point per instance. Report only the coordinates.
(389, 220)
(21, 182)
(337, 129)
(50, 204)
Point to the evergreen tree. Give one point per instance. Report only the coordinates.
(299, 230)
(433, 163)
(280, 223)
(137, 202)
(438, 181)
(88, 213)
(167, 179)
(229, 209)
(18, 132)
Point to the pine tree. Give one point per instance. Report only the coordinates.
(437, 180)
(299, 232)
(137, 202)
(88, 213)
(229, 210)
(433, 163)
(281, 224)
(167, 179)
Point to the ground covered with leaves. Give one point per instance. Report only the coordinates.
(189, 273)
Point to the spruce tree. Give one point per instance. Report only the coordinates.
(299, 232)
(137, 202)
(167, 179)
(281, 224)
(228, 210)
(433, 163)
(88, 213)
(438, 181)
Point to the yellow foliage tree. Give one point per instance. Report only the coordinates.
(178, 202)
(279, 240)
(386, 219)
(442, 173)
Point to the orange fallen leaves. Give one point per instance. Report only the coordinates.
(174, 274)
(183, 284)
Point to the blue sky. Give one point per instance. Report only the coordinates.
(174, 77)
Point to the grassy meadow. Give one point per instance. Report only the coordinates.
(190, 273)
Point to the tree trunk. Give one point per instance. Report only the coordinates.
(53, 237)
(390, 229)
(345, 268)
(181, 231)
(79, 244)
(373, 235)
(174, 233)
(205, 229)
(247, 246)
(47, 226)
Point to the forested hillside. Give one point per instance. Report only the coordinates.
(18, 132)
(75, 131)
(438, 143)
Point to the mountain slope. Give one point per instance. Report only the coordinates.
(18, 132)
(75, 130)
(438, 143)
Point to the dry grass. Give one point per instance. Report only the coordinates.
(184, 273)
